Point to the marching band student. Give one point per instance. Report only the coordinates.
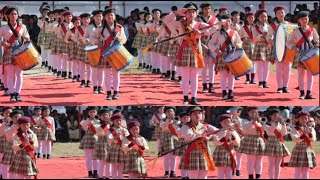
(89, 140)
(162, 48)
(222, 43)
(9, 153)
(135, 146)
(4, 123)
(47, 132)
(146, 40)
(168, 139)
(189, 58)
(116, 157)
(253, 143)
(248, 44)
(297, 41)
(53, 44)
(262, 48)
(101, 146)
(195, 161)
(276, 150)
(13, 34)
(35, 120)
(235, 21)
(49, 39)
(3, 79)
(138, 39)
(224, 153)
(109, 33)
(81, 54)
(43, 24)
(208, 18)
(283, 68)
(155, 56)
(155, 121)
(303, 156)
(24, 142)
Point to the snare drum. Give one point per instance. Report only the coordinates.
(26, 55)
(281, 52)
(238, 62)
(310, 59)
(118, 56)
(93, 53)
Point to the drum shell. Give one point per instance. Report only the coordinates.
(118, 56)
(240, 65)
(289, 55)
(310, 59)
(93, 55)
(27, 58)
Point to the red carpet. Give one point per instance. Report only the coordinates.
(75, 168)
(151, 90)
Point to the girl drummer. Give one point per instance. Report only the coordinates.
(138, 39)
(222, 43)
(146, 39)
(155, 121)
(135, 146)
(13, 34)
(248, 45)
(276, 150)
(108, 34)
(303, 156)
(297, 42)
(262, 48)
(186, 59)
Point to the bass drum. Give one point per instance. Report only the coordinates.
(281, 52)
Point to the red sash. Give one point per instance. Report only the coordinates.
(73, 30)
(213, 19)
(278, 134)
(158, 118)
(259, 129)
(305, 138)
(141, 30)
(248, 31)
(108, 41)
(92, 128)
(233, 158)
(148, 32)
(114, 134)
(64, 29)
(27, 148)
(274, 26)
(185, 42)
(47, 123)
(105, 127)
(167, 30)
(172, 130)
(80, 30)
(302, 40)
(224, 45)
(12, 38)
(136, 147)
(260, 32)
(33, 121)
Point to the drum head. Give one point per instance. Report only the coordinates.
(233, 56)
(280, 42)
(111, 49)
(308, 54)
(20, 48)
(90, 48)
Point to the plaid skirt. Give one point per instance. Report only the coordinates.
(253, 145)
(8, 59)
(158, 48)
(180, 151)
(221, 64)
(23, 164)
(221, 156)
(81, 54)
(51, 36)
(137, 40)
(167, 142)
(188, 58)
(72, 50)
(59, 46)
(173, 51)
(197, 161)
(302, 156)
(248, 48)
(116, 155)
(163, 48)
(88, 141)
(274, 147)
(261, 52)
(103, 63)
(152, 40)
(42, 37)
(101, 148)
(3, 142)
(8, 154)
(45, 134)
(157, 133)
(297, 63)
(135, 164)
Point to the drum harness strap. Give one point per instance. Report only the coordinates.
(138, 148)
(108, 41)
(227, 44)
(305, 38)
(14, 35)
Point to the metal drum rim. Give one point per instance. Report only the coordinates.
(243, 52)
(20, 45)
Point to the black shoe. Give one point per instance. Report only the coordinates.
(59, 74)
(252, 79)
(173, 75)
(211, 90)
(1, 86)
(44, 156)
(250, 176)
(179, 80)
(237, 78)
(100, 90)
(224, 95)
(109, 96)
(166, 174)
(247, 79)
(6, 92)
(150, 67)
(309, 96)
(154, 71)
(280, 90)
(265, 85)
(95, 174)
(185, 100)
(115, 95)
(302, 95)
(70, 75)
(74, 79)
(90, 175)
(285, 90)
(140, 65)
(297, 88)
(172, 174)
(260, 85)
(49, 69)
(205, 88)
(147, 67)
(18, 98)
(88, 83)
(158, 71)
(194, 101)
(13, 97)
(258, 176)
(54, 71)
(46, 64)
(163, 75)
(48, 156)
(78, 78)
(168, 74)
(238, 173)
(83, 83)
(230, 95)
(233, 173)
(95, 90)
(38, 155)
(42, 64)
(144, 65)
(66, 75)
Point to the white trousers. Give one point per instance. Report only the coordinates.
(1, 71)
(197, 174)
(224, 172)
(170, 65)
(82, 70)
(301, 173)
(189, 74)
(301, 73)
(97, 76)
(140, 57)
(49, 57)
(117, 171)
(164, 63)
(209, 66)
(224, 77)
(104, 168)
(5, 172)
(115, 78)
(46, 147)
(158, 145)
(75, 67)
(89, 160)
(263, 70)
(14, 76)
(54, 61)
(169, 162)
(254, 164)
(283, 74)
(148, 58)
(184, 173)
(253, 70)
(239, 160)
(274, 167)
(1, 156)
(19, 176)
(44, 54)
(156, 60)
